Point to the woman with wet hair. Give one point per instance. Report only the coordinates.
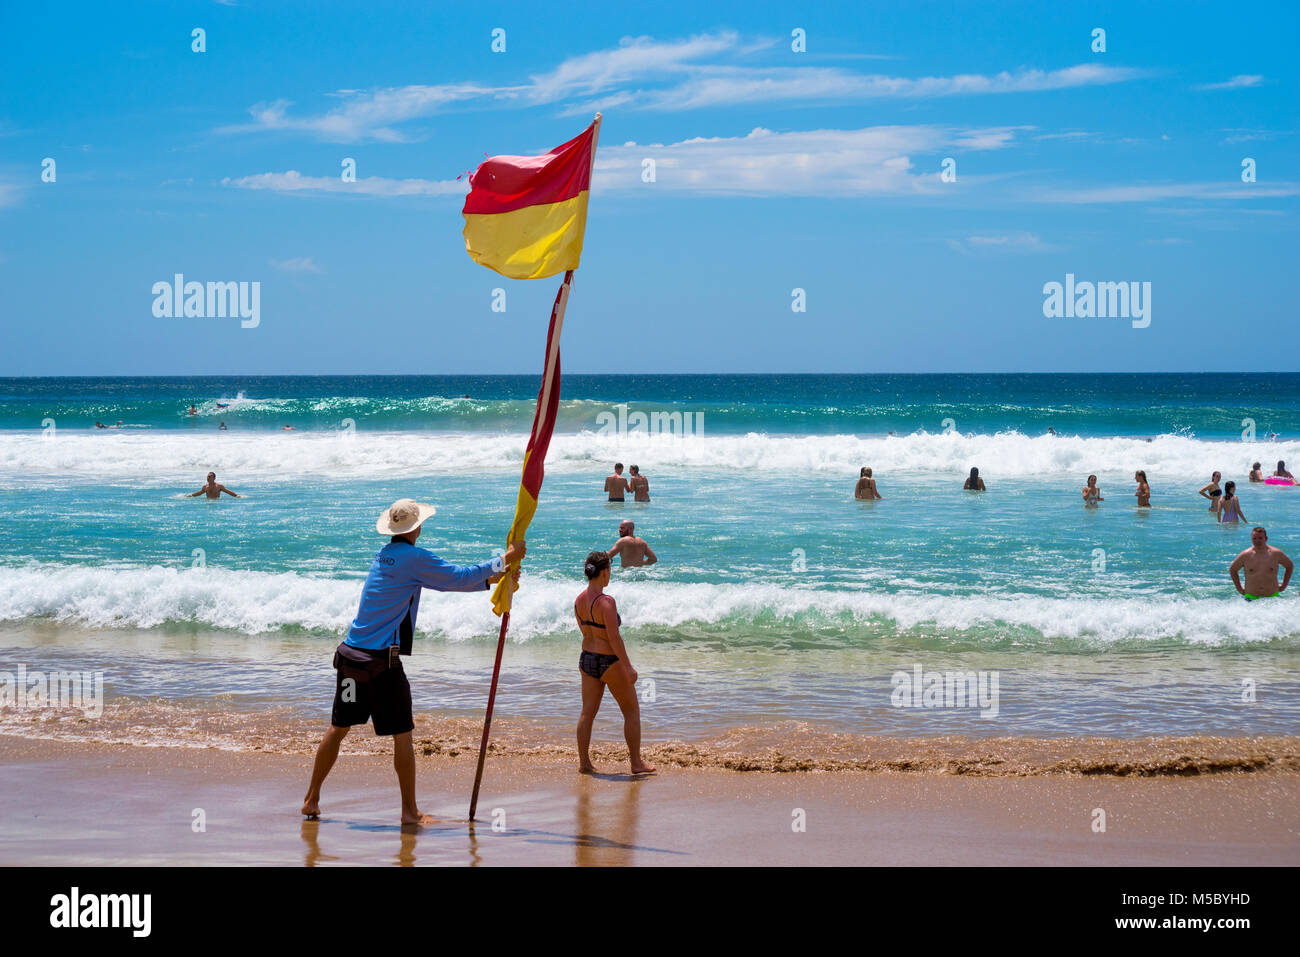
(1143, 492)
(974, 483)
(604, 662)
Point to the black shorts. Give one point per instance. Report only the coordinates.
(386, 698)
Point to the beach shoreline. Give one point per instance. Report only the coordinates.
(97, 804)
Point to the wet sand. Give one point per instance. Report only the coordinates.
(72, 803)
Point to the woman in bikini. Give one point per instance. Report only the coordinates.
(1212, 491)
(1143, 492)
(604, 661)
(866, 487)
(974, 483)
(1091, 493)
(1230, 508)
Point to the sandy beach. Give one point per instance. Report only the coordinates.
(99, 804)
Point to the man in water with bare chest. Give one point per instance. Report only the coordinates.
(632, 550)
(213, 489)
(1261, 562)
(616, 484)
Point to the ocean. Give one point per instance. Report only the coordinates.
(779, 601)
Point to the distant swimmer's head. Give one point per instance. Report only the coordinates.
(1256, 467)
(1216, 476)
(1281, 466)
(1092, 480)
(1258, 536)
(1229, 489)
(865, 473)
(404, 517)
(1141, 476)
(974, 473)
(618, 468)
(626, 527)
(634, 469)
(596, 565)
(212, 476)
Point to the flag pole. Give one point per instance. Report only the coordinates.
(542, 403)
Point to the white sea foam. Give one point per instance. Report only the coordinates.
(165, 457)
(254, 602)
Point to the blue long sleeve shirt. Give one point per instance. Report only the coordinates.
(392, 590)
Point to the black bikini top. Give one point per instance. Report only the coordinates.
(596, 624)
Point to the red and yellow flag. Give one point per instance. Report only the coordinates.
(525, 215)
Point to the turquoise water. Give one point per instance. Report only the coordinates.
(776, 593)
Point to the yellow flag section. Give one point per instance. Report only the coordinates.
(548, 404)
(525, 215)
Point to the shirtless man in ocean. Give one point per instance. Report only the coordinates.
(639, 484)
(1260, 561)
(616, 485)
(632, 550)
(213, 489)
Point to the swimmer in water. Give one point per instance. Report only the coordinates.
(1091, 493)
(1282, 472)
(1256, 473)
(1212, 491)
(193, 410)
(213, 489)
(1143, 492)
(639, 484)
(973, 482)
(632, 550)
(866, 487)
(616, 484)
(222, 427)
(1230, 505)
(1261, 562)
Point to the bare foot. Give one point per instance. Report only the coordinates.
(587, 768)
(311, 808)
(418, 818)
(643, 768)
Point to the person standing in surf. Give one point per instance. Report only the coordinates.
(1230, 505)
(1261, 562)
(973, 482)
(370, 683)
(1091, 493)
(616, 484)
(1257, 473)
(1143, 492)
(604, 662)
(866, 489)
(212, 488)
(639, 484)
(1212, 491)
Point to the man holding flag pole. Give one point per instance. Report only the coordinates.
(525, 217)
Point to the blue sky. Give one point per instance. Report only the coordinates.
(775, 170)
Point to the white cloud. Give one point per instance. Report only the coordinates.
(872, 161)
(364, 115)
(644, 73)
(724, 86)
(293, 181)
(299, 264)
(1005, 242)
(1239, 82)
(1145, 193)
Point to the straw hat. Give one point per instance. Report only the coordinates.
(404, 515)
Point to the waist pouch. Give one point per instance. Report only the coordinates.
(360, 664)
